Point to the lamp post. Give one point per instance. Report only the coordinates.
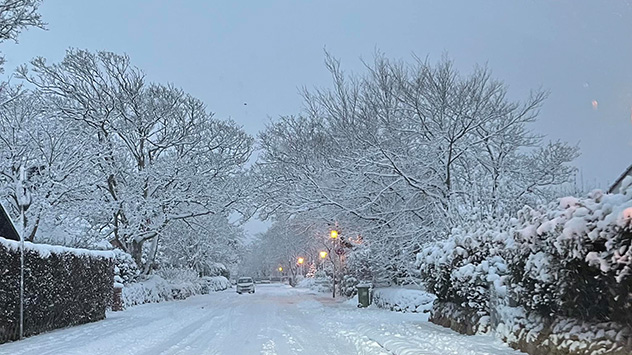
(333, 234)
(24, 200)
(300, 263)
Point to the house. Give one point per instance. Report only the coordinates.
(7, 229)
(617, 184)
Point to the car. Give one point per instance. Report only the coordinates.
(245, 284)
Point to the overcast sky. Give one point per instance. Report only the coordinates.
(260, 53)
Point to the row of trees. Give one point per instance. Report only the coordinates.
(405, 152)
(395, 157)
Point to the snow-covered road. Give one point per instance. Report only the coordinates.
(275, 320)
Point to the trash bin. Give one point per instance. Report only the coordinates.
(364, 295)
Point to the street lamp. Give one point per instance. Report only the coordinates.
(333, 234)
(323, 254)
(280, 269)
(300, 262)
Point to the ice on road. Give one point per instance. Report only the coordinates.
(275, 320)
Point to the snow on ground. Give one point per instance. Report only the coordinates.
(275, 320)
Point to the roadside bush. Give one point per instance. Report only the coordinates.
(128, 271)
(153, 290)
(62, 287)
(568, 262)
(573, 258)
(403, 299)
(348, 286)
(466, 267)
(170, 284)
(214, 284)
(319, 283)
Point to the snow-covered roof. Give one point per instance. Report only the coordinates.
(7, 229)
(615, 187)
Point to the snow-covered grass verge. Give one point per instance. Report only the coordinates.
(403, 299)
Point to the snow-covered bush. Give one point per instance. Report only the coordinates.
(348, 286)
(153, 290)
(171, 284)
(184, 282)
(214, 284)
(128, 270)
(403, 299)
(573, 258)
(465, 267)
(319, 283)
(568, 262)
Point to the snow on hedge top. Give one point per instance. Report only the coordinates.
(45, 250)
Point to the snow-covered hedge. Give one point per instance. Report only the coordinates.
(566, 263)
(171, 284)
(63, 287)
(403, 300)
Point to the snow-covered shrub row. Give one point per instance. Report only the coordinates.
(63, 287)
(214, 284)
(320, 282)
(403, 300)
(171, 284)
(539, 335)
(565, 262)
(153, 290)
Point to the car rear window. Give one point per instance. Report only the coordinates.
(245, 279)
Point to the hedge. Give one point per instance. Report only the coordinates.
(565, 264)
(62, 287)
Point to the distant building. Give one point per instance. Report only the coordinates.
(7, 229)
(617, 184)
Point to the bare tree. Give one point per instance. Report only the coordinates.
(16, 16)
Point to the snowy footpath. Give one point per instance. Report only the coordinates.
(275, 320)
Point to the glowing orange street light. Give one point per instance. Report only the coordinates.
(333, 234)
(301, 260)
(323, 254)
(280, 269)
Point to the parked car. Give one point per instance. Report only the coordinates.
(245, 284)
